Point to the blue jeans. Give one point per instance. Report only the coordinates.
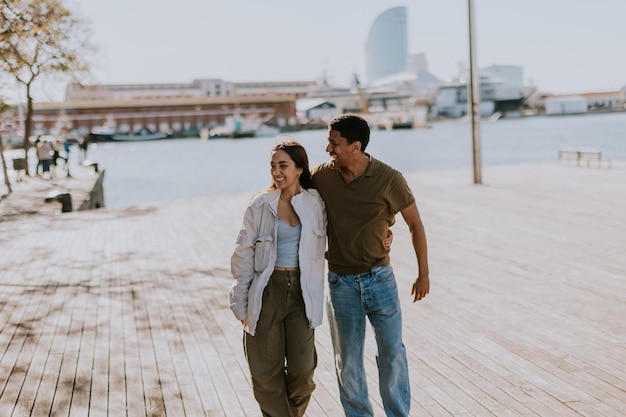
(352, 298)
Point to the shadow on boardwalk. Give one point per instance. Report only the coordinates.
(124, 312)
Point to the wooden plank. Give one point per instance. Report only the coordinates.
(102, 327)
(81, 386)
(118, 374)
(47, 390)
(48, 322)
(14, 362)
(135, 392)
(153, 395)
(64, 391)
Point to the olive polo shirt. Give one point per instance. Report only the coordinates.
(360, 213)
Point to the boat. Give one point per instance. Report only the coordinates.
(140, 135)
(264, 130)
(397, 119)
(110, 133)
(236, 127)
(104, 132)
(205, 133)
(261, 131)
(228, 132)
(233, 127)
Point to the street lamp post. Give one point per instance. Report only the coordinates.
(474, 96)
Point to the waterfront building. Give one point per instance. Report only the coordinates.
(317, 110)
(181, 116)
(76, 92)
(605, 100)
(259, 88)
(179, 108)
(505, 75)
(599, 101)
(565, 105)
(451, 98)
(200, 88)
(415, 80)
(387, 44)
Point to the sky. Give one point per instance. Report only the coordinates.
(564, 46)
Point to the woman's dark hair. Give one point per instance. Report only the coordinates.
(298, 154)
(353, 128)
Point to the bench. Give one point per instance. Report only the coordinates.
(582, 155)
(91, 164)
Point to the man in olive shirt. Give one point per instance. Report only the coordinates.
(362, 197)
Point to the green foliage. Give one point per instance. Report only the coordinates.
(39, 36)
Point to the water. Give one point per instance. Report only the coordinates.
(139, 172)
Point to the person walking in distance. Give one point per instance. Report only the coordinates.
(44, 155)
(83, 146)
(362, 196)
(278, 283)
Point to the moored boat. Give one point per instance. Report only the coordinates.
(104, 132)
(265, 131)
(141, 135)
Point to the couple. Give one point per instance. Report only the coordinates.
(278, 268)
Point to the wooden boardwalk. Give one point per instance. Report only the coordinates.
(124, 312)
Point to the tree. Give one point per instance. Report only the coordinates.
(7, 182)
(39, 37)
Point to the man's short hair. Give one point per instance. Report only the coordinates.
(352, 127)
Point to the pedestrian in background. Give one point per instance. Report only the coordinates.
(83, 145)
(44, 154)
(56, 155)
(67, 147)
(37, 142)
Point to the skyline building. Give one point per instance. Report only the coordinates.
(507, 75)
(387, 49)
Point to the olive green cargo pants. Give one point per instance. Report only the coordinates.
(282, 354)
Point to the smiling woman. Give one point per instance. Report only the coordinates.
(278, 257)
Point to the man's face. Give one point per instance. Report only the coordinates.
(338, 149)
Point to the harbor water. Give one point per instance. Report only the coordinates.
(151, 171)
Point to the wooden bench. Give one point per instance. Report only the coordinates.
(582, 155)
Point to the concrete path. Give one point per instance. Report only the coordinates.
(123, 312)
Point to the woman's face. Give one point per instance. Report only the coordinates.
(284, 171)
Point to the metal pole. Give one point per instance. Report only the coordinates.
(473, 91)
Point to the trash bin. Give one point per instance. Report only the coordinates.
(62, 197)
(19, 164)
